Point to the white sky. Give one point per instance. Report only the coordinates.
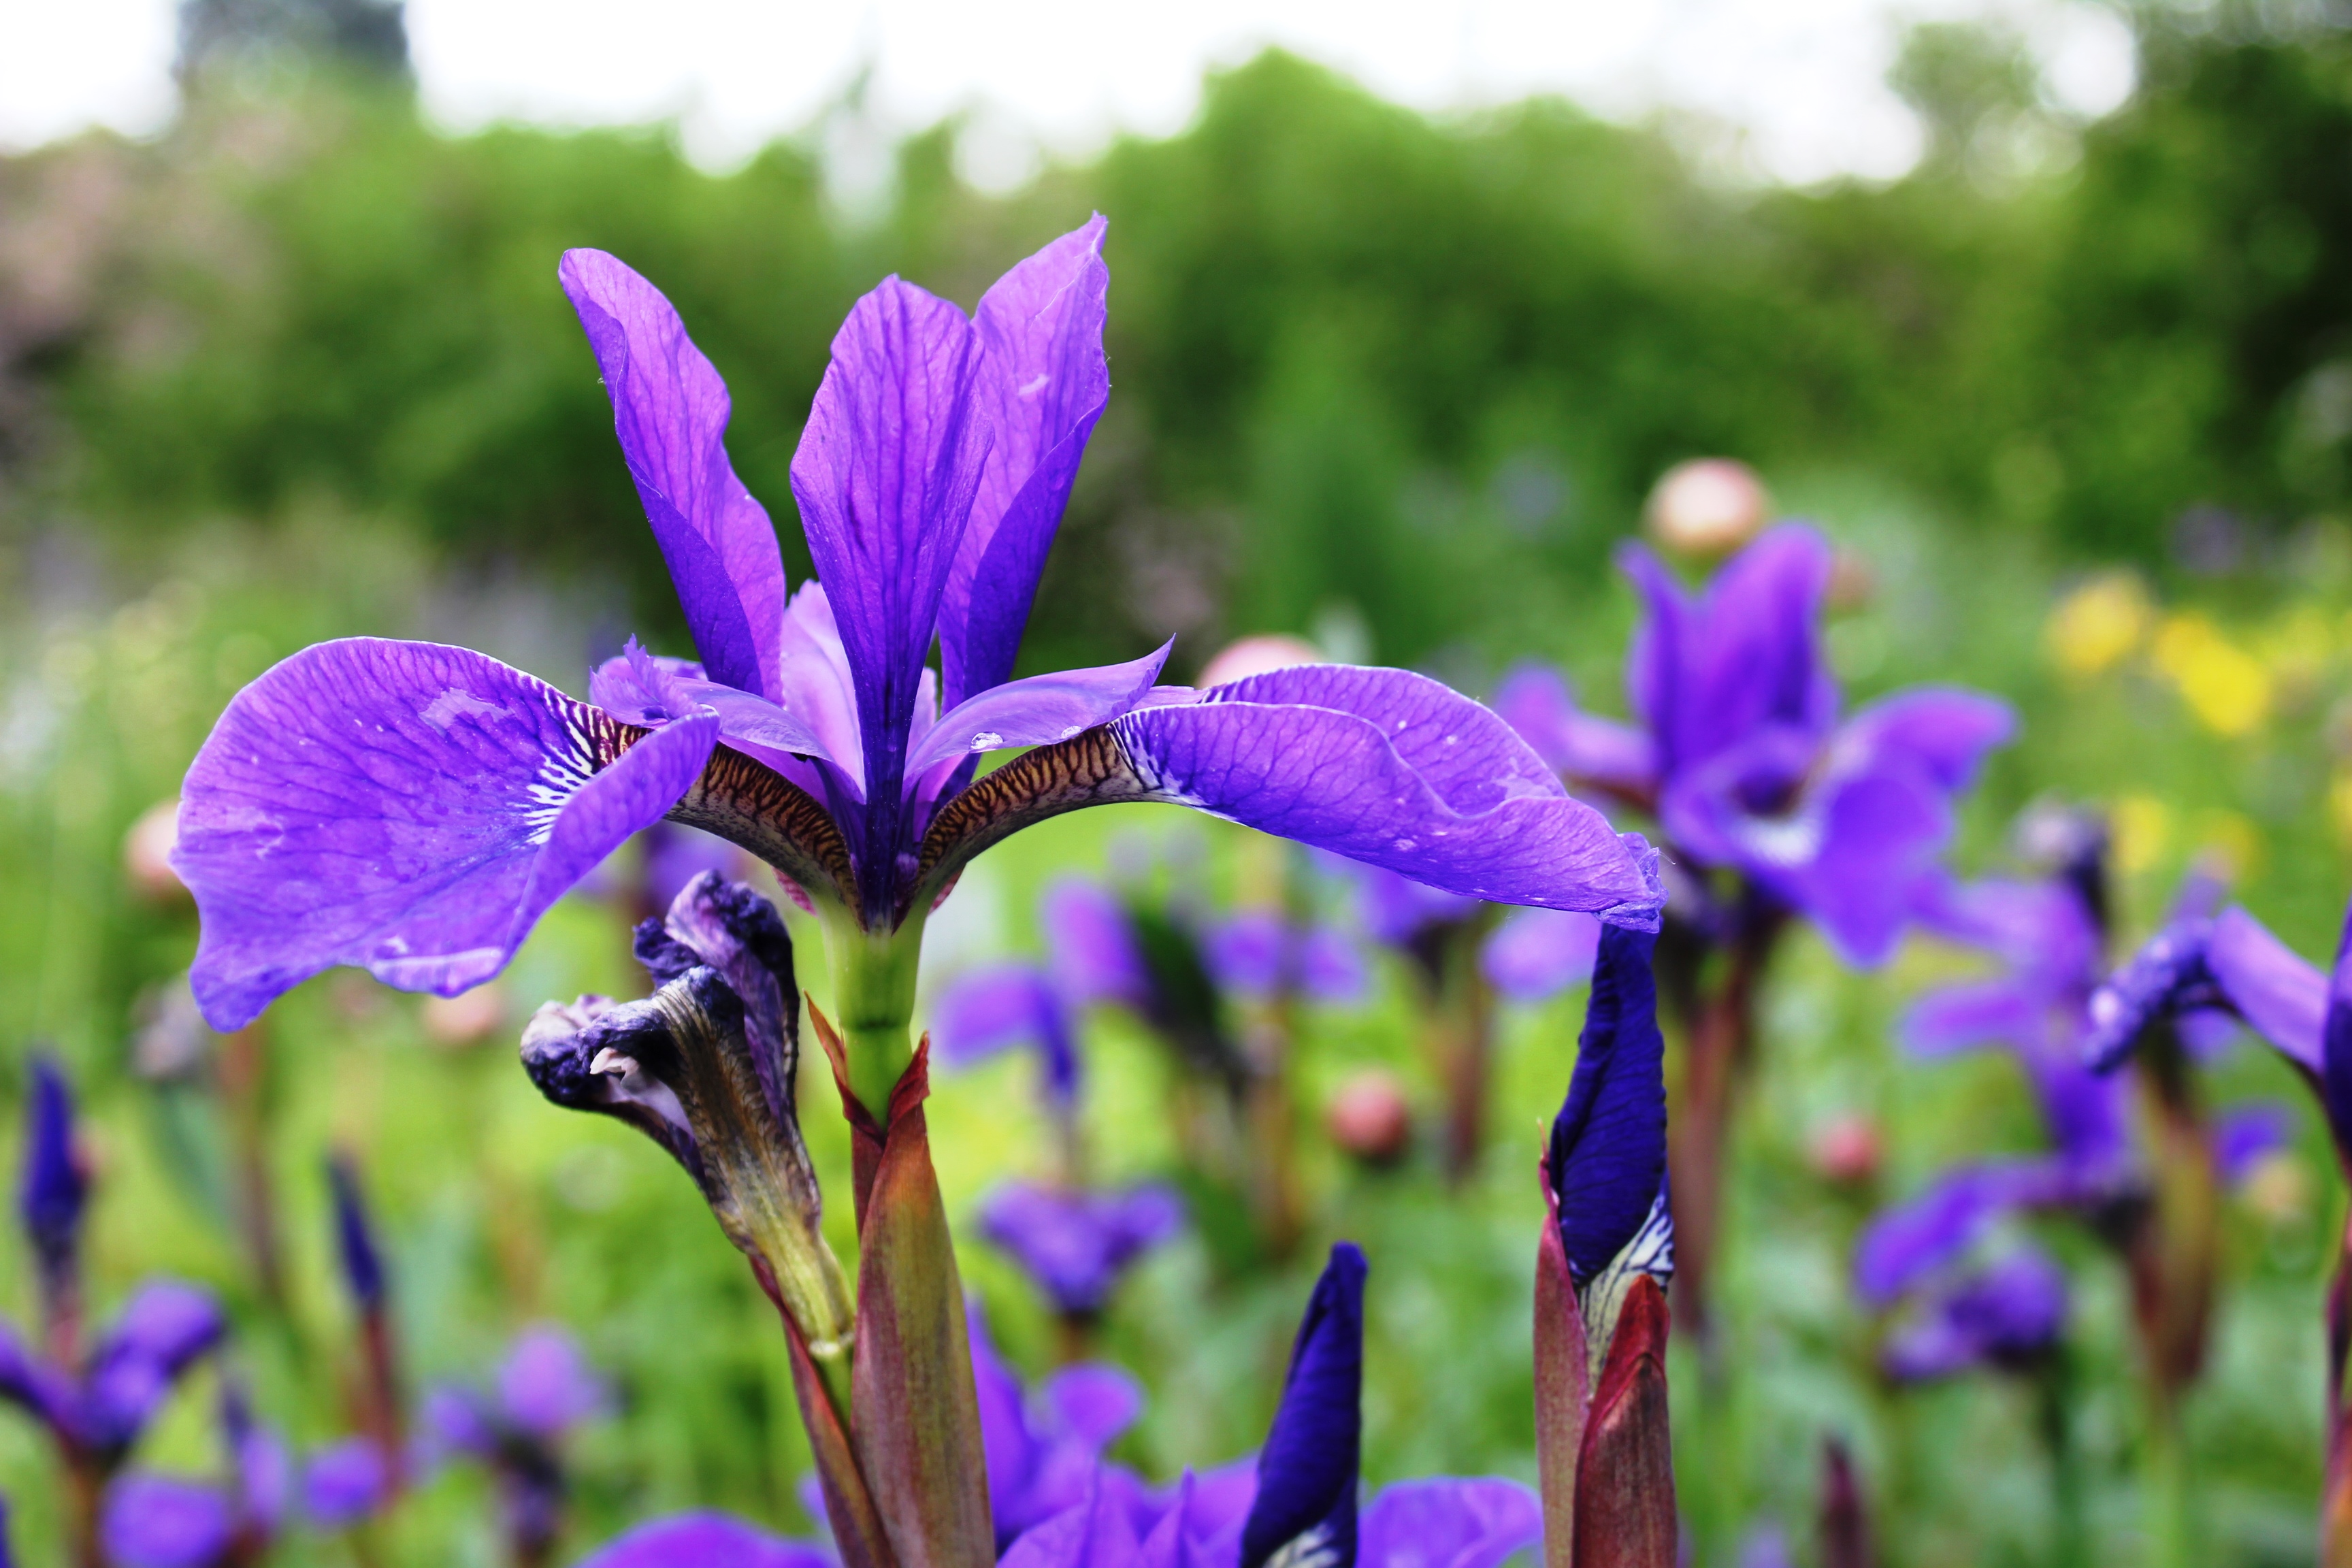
(1801, 81)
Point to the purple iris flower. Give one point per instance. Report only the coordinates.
(2011, 1314)
(94, 1404)
(345, 1483)
(159, 1521)
(705, 1541)
(413, 809)
(544, 1389)
(1076, 1244)
(1738, 752)
(1002, 1007)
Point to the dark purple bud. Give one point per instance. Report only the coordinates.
(354, 1241)
(1607, 1159)
(56, 1186)
(1307, 1474)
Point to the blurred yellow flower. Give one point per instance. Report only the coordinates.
(2225, 687)
(2142, 826)
(2098, 624)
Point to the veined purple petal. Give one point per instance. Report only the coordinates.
(1038, 710)
(1307, 1474)
(545, 1386)
(1704, 675)
(1393, 769)
(886, 470)
(1090, 945)
(344, 1484)
(670, 410)
(406, 807)
(1044, 381)
(1534, 701)
(1945, 730)
(1442, 1522)
(151, 1522)
(1076, 1244)
(1006, 1005)
(54, 1187)
(1535, 955)
(705, 1541)
(1606, 1156)
(2282, 997)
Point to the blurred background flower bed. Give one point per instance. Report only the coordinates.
(2076, 424)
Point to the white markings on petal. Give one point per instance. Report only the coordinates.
(1310, 1549)
(1036, 383)
(561, 776)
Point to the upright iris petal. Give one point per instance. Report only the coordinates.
(1041, 326)
(1306, 1507)
(885, 476)
(670, 409)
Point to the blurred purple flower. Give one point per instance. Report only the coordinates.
(544, 1388)
(1045, 1450)
(345, 1483)
(1739, 754)
(705, 1541)
(1076, 1244)
(2009, 1315)
(1256, 954)
(160, 1521)
(99, 1409)
(1004, 1006)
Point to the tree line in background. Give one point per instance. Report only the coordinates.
(1416, 374)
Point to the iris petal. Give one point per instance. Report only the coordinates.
(406, 807)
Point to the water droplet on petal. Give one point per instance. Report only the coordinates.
(985, 741)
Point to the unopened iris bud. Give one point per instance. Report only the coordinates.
(1602, 1270)
(1370, 1118)
(1709, 506)
(704, 1066)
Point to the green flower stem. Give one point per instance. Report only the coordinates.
(874, 1001)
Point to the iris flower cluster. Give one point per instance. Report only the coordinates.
(1771, 806)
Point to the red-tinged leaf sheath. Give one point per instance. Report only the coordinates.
(1563, 1389)
(917, 1424)
(1626, 1480)
(865, 1135)
(857, 1532)
(2335, 1502)
(1846, 1514)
